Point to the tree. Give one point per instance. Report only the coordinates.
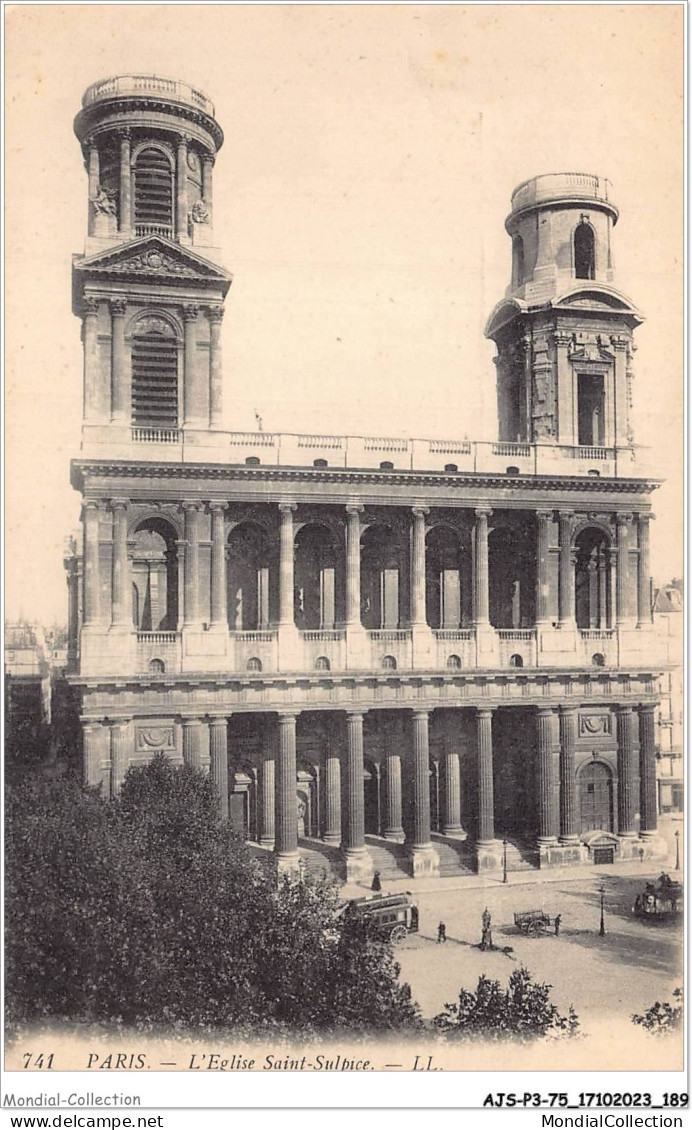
(148, 910)
(662, 1019)
(523, 1011)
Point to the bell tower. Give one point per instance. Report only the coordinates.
(563, 331)
(149, 286)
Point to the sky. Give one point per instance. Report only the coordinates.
(360, 199)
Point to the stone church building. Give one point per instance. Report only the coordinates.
(405, 654)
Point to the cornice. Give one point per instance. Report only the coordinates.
(132, 469)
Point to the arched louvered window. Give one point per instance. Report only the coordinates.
(584, 252)
(153, 193)
(154, 375)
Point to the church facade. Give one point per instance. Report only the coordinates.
(417, 655)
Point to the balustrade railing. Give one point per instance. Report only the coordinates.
(454, 633)
(319, 635)
(154, 229)
(378, 443)
(449, 447)
(592, 453)
(511, 449)
(156, 435)
(390, 635)
(158, 638)
(253, 637)
(597, 633)
(335, 442)
(148, 84)
(251, 439)
(519, 634)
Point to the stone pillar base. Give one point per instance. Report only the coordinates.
(332, 838)
(562, 855)
(425, 862)
(489, 856)
(424, 646)
(357, 648)
(290, 648)
(288, 864)
(395, 837)
(628, 848)
(487, 647)
(455, 832)
(359, 866)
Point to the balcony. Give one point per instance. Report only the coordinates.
(379, 453)
(562, 186)
(517, 647)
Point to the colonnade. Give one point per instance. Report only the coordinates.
(344, 773)
(192, 512)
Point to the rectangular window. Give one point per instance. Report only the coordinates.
(591, 408)
(154, 382)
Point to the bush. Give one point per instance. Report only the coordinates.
(147, 910)
(522, 1011)
(662, 1019)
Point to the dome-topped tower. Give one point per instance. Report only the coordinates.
(563, 332)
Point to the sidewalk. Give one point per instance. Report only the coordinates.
(517, 879)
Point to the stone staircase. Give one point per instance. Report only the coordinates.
(456, 856)
(390, 859)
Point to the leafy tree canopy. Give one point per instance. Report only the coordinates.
(523, 1011)
(662, 1018)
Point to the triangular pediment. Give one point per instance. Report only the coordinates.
(154, 257)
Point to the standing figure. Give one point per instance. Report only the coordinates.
(558, 920)
(486, 937)
(376, 882)
(442, 932)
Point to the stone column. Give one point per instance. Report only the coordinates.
(120, 382)
(219, 616)
(358, 861)
(191, 568)
(481, 601)
(120, 753)
(218, 761)
(92, 570)
(566, 595)
(192, 414)
(181, 189)
(418, 617)
(547, 807)
(207, 182)
(192, 742)
(647, 769)
(569, 825)
(215, 315)
(451, 821)
(125, 225)
(393, 825)
(643, 573)
(423, 855)
(622, 574)
(286, 838)
(486, 812)
(267, 790)
(332, 790)
(121, 611)
(72, 569)
(544, 519)
(353, 514)
(92, 366)
(627, 800)
(286, 581)
(91, 733)
(94, 173)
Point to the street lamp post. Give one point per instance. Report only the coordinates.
(601, 928)
(504, 861)
(677, 849)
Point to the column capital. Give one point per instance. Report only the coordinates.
(648, 707)
(421, 713)
(562, 339)
(356, 714)
(216, 507)
(544, 515)
(286, 508)
(118, 307)
(484, 711)
(420, 511)
(191, 505)
(566, 515)
(91, 505)
(619, 342)
(190, 312)
(208, 156)
(218, 719)
(566, 709)
(288, 716)
(115, 722)
(623, 519)
(90, 307)
(119, 503)
(192, 720)
(123, 133)
(623, 708)
(215, 313)
(354, 510)
(642, 519)
(184, 139)
(483, 511)
(545, 711)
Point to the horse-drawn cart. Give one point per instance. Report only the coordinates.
(532, 923)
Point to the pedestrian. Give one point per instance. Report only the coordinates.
(376, 882)
(486, 937)
(558, 920)
(442, 932)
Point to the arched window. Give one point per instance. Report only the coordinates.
(157, 666)
(153, 177)
(254, 664)
(154, 557)
(252, 461)
(154, 374)
(516, 661)
(584, 252)
(597, 659)
(389, 662)
(386, 465)
(592, 579)
(451, 468)
(322, 663)
(453, 662)
(320, 463)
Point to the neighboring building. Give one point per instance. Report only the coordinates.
(669, 625)
(27, 690)
(411, 649)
